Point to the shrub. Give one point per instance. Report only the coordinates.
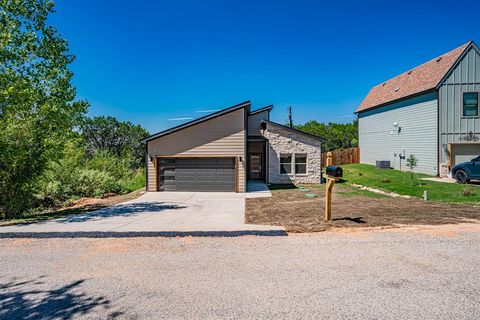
(95, 183)
(134, 181)
(467, 191)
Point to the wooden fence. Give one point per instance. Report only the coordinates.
(345, 156)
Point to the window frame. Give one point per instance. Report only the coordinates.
(462, 103)
(306, 164)
(283, 163)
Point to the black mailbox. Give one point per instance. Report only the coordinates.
(334, 172)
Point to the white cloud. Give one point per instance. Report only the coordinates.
(207, 111)
(180, 119)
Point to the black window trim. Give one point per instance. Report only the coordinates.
(463, 106)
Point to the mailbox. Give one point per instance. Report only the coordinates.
(334, 172)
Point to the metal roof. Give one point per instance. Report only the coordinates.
(295, 130)
(197, 121)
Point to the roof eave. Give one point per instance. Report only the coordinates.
(295, 130)
(457, 61)
(397, 100)
(196, 121)
(267, 108)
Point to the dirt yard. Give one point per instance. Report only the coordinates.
(351, 207)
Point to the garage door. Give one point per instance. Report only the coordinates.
(464, 152)
(196, 174)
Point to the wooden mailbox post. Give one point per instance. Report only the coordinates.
(331, 179)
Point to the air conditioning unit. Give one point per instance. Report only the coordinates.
(382, 164)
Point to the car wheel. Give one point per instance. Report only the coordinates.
(461, 176)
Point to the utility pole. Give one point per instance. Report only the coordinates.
(290, 121)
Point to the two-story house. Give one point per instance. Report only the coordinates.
(431, 111)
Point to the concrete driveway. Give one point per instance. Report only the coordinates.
(157, 212)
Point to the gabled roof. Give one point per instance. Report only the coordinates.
(267, 108)
(295, 130)
(219, 113)
(420, 79)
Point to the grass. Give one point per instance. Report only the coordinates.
(351, 207)
(399, 182)
(341, 188)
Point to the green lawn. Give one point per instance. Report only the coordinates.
(399, 182)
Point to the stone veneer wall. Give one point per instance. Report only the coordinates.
(283, 140)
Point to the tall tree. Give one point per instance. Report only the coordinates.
(338, 135)
(114, 137)
(37, 99)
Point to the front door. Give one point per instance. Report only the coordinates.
(255, 170)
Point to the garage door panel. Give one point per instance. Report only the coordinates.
(197, 174)
(465, 152)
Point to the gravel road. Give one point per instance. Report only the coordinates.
(415, 273)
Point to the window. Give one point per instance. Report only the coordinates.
(300, 163)
(470, 104)
(285, 163)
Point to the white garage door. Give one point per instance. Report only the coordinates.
(464, 152)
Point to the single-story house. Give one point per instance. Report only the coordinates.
(431, 112)
(220, 151)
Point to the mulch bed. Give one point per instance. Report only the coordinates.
(291, 209)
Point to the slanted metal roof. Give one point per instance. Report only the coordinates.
(295, 130)
(219, 113)
(267, 108)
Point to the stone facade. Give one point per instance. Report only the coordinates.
(283, 140)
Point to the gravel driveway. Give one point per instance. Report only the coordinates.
(417, 273)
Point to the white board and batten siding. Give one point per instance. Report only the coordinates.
(416, 133)
(223, 136)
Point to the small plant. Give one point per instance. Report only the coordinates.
(412, 163)
(467, 191)
(385, 180)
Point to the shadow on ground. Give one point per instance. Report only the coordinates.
(356, 219)
(121, 210)
(22, 300)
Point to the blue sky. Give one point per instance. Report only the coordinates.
(153, 61)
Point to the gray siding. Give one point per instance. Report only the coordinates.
(254, 121)
(465, 77)
(417, 118)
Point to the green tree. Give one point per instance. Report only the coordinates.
(338, 135)
(117, 138)
(37, 99)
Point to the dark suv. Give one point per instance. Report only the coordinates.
(466, 171)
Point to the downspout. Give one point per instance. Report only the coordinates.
(438, 133)
(146, 166)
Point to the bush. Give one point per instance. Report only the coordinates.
(95, 183)
(467, 191)
(76, 175)
(134, 181)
